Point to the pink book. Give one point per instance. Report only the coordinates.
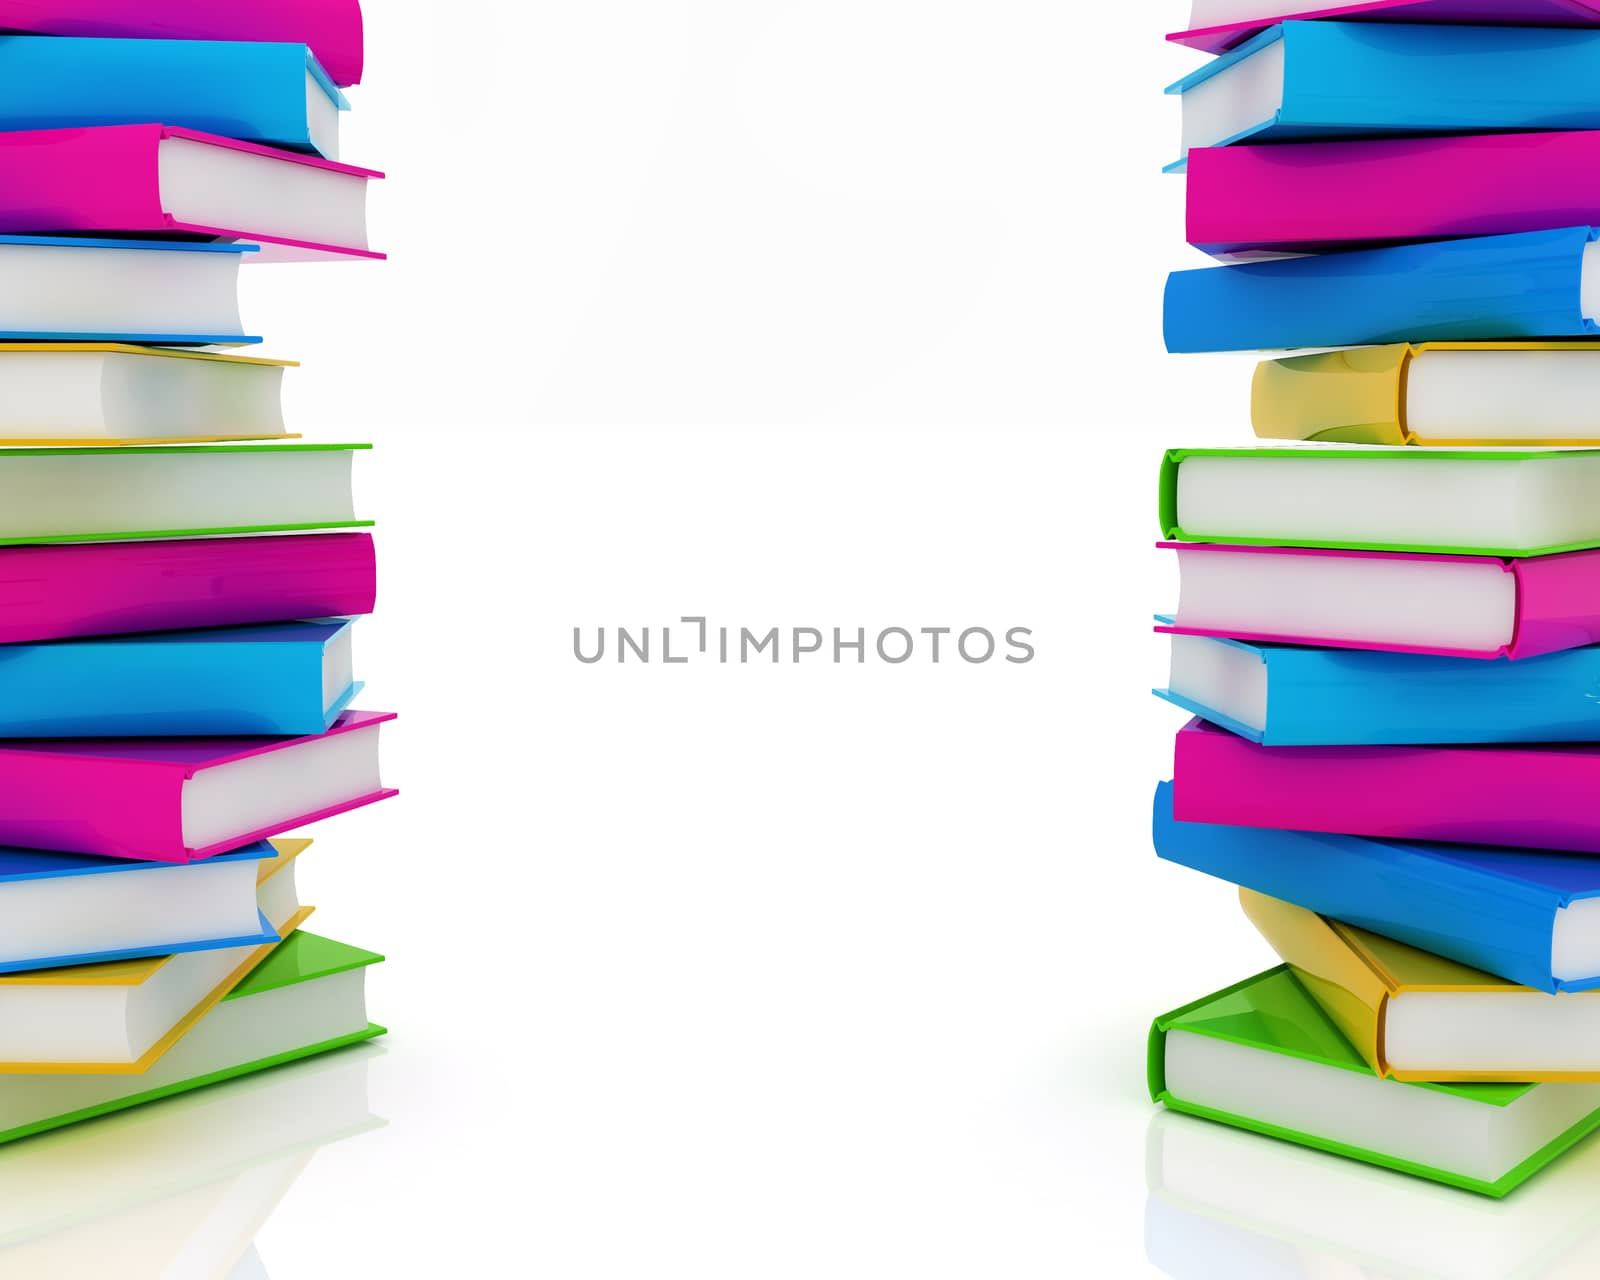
(105, 588)
(1403, 602)
(152, 179)
(1540, 797)
(1217, 27)
(1330, 195)
(180, 799)
(332, 28)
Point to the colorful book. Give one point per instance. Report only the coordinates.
(1413, 1015)
(1321, 80)
(319, 1005)
(1473, 502)
(1225, 1204)
(181, 799)
(110, 393)
(62, 909)
(1296, 696)
(1432, 393)
(157, 179)
(1449, 606)
(332, 28)
(174, 491)
(1219, 25)
(1261, 1055)
(83, 289)
(56, 592)
(274, 94)
(121, 1017)
(1319, 196)
(1534, 797)
(1531, 918)
(278, 678)
(1530, 285)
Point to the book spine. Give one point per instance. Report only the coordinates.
(332, 28)
(81, 180)
(1321, 195)
(1529, 798)
(55, 592)
(251, 91)
(1337, 397)
(1556, 603)
(1523, 286)
(1498, 925)
(136, 810)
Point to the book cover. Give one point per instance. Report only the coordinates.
(1485, 287)
(1533, 797)
(1494, 908)
(332, 28)
(1324, 196)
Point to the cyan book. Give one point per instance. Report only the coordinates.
(277, 94)
(281, 678)
(1285, 695)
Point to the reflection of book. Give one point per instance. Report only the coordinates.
(1229, 1203)
(178, 1189)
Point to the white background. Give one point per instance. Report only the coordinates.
(836, 313)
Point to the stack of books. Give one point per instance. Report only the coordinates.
(178, 585)
(1389, 622)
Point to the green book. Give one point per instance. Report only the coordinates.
(1478, 502)
(185, 491)
(1263, 1056)
(307, 997)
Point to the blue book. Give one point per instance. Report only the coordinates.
(1284, 695)
(1309, 80)
(276, 94)
(283, 679)
(63, 909)
(1525, 285)
(1526, 916)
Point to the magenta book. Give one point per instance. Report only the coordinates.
(1539, 797)
(1330, 195)
(332, 28)
(1216, 26)
(105, 588)
(180, 799)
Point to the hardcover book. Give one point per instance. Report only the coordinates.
(1530, 285)
(1321, 80)
(1218, 25)
(332, 28)
(83, 289)
(278, 678)
(61, 909)
(1298, 696)
(1311, 196)
(1417, 1016)
(1530, 796)
(109, 393)
(181, 799)
(1432, 393)
(1261, 1055)
(274, 94)
(173, 491)
(1449, 606)
(120, 1017)
(1531, 918)
(96, 589)
(1475, 502)
(317, 1004)
(157, 179)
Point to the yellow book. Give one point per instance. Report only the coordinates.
(1416, 1016)
(115, 393)
(1433, 393)
(121, 1016)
